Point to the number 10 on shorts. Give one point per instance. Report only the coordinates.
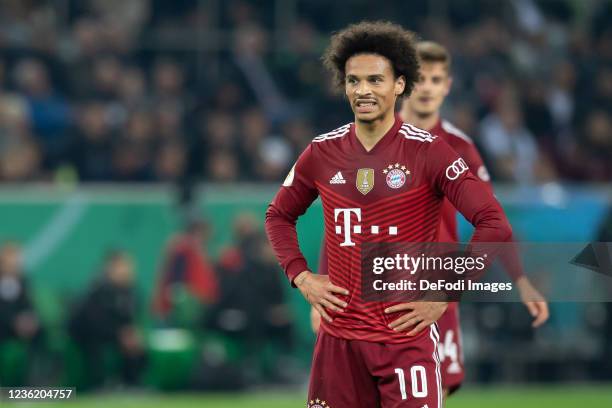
(418, 380)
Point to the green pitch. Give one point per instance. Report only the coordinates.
(554, 397)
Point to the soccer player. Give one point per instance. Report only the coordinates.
(359, 360)
(422, 109)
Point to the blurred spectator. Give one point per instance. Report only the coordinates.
(91, 150)
(560, 96)
(20, 158)
(133, 151)
(276, 158)
(219, 130)
(131, 161)
(107, 73)
(593, 155)
(169, 120)
(538, 117)
(133, 88)
(48, 111)
(264, 155)
(510, 146)
(170, 162)
(254, 129)
(18, 319)
(229, 97)
(252, 308)
(223, 167)
(299, 133)
(104, 322)
(186, 265)
(20, 162)
(168, 80)
(21, 334)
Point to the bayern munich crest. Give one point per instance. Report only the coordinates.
(396, 175)
(317, 403)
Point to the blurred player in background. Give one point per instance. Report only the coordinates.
(422, 109)
(380, 180)
(106, 319)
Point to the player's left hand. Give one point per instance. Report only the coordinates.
(421, 315)
(534, 301)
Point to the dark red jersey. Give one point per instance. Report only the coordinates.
(392, 193)
(449, 232)
(465, 147)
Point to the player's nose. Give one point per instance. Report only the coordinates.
(362, 89)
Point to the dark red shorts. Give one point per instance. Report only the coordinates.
(355, 373)
(450, 349)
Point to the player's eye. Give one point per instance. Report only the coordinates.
(351, 81)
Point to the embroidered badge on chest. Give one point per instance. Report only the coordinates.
(396, 175)
(365, 180)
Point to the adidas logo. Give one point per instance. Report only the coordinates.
(337, 179)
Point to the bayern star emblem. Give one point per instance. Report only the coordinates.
(396, 175)
(317, 404)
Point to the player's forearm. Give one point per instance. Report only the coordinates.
(509, 257)
(491, 224)
(511, 260)
(282, 235)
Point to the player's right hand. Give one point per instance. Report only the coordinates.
(319, 292)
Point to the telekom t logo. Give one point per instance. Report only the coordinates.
(347, 228)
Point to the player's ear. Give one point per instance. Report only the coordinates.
(400, 85)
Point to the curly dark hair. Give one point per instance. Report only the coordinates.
(384, 38)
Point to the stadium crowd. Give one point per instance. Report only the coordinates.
(140, 91)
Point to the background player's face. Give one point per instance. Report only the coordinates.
(371, 87)
(121, 271)
(431, 89)
(10, 260)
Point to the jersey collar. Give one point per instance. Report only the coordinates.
(384, 141)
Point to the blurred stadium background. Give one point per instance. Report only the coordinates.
(141, 141)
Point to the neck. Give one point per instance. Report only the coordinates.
(425, 122)
(370, 133)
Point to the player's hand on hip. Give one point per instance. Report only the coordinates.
(534, 301)
(420, 315)
(319, 292)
